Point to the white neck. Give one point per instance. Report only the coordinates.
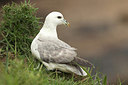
(48, 30)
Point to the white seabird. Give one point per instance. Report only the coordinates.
(54, 53)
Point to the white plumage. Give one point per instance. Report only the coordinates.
(54, 53)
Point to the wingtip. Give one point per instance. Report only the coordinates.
(83, 62)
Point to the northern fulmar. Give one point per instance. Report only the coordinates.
(55, 53)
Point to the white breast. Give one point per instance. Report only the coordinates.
(34, 48)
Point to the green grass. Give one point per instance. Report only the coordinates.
(22, 72)
(18, 26)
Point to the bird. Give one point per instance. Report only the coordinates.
(55, 53)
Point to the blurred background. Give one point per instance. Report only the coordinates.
(98, 29)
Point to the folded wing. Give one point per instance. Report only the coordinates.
(57, 51)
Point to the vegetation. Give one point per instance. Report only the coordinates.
(17, 28)
(18, 25)
(22, 72)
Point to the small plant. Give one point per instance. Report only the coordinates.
(21, 72)
(18, 25)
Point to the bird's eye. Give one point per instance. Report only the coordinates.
(59, 17)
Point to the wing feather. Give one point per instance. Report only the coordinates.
(57, 51)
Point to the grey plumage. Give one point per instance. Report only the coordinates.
(57, 51)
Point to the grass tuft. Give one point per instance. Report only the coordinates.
(21, 72)
(19, 24)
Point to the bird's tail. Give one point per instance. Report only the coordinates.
(81, 72)
(83, 62)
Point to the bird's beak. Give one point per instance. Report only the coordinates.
(66, 23)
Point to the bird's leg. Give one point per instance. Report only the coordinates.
(38, 66)
(56, 72)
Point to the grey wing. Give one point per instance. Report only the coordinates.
(60, 52)
(56, 51)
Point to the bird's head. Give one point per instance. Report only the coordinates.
(56, 18)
